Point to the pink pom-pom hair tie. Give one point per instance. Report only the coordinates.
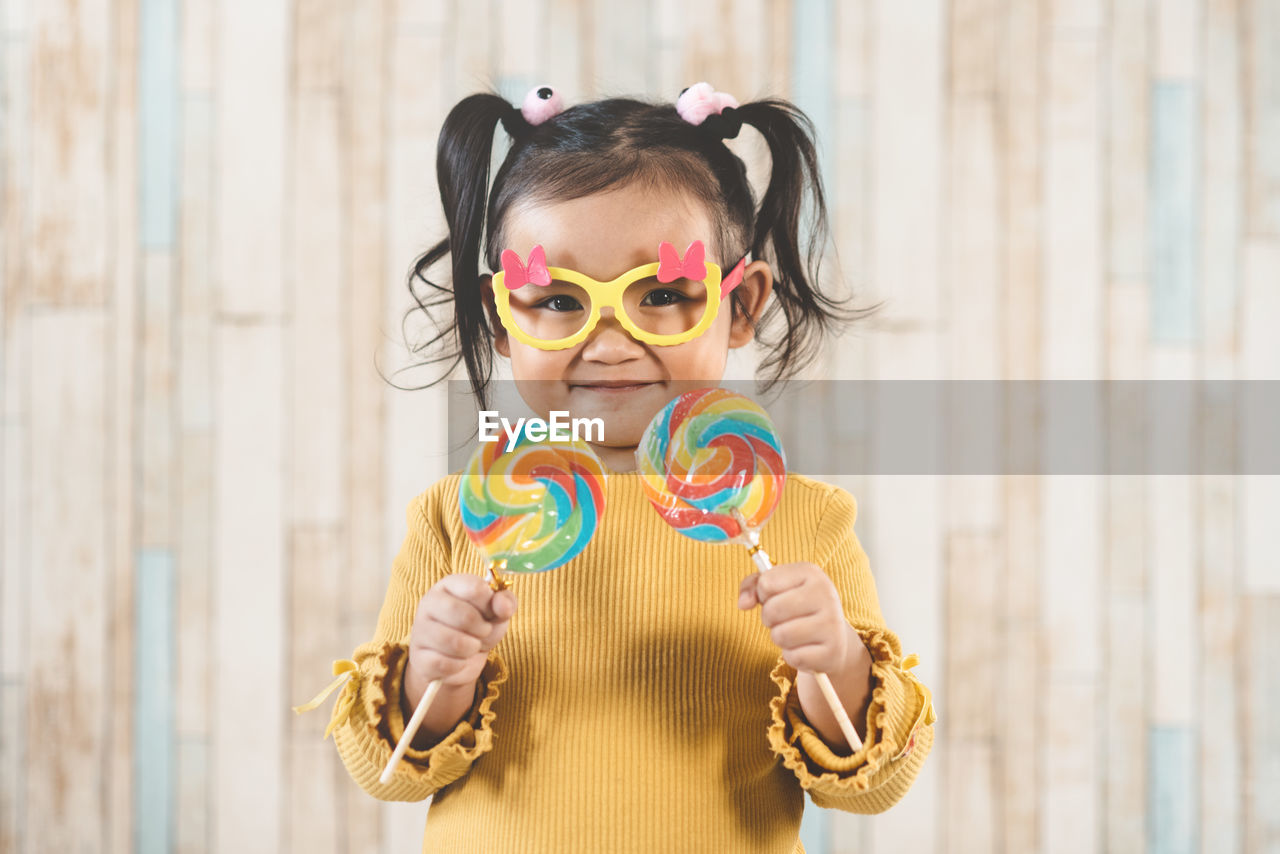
(699, 101)
(540, 104)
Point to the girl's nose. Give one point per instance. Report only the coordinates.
(609, 342)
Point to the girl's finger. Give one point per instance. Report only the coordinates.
(813, 658)
(503, 605)
(789, 605)
(805, 631)
(784, 576)
(467, 587)
(448, 642)
(747, 592)
(459, 614)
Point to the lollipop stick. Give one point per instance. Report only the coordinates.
(496, 583)
(842, 717)
(751, 539)
(411, 729)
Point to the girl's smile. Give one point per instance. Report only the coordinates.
(614, 387)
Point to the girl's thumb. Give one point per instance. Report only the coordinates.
(503, 604)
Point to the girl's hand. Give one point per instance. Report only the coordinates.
(458, 621)
(801, 608)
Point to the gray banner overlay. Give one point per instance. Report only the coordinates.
(980, 427)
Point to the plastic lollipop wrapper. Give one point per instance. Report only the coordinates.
(532, 508)
(709, 453)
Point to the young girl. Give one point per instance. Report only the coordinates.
(652, 694)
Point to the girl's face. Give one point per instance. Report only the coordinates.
(611, 375)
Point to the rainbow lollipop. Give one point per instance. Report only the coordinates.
(529, 509)
(708, 453)
(712, 466)
(533, 508)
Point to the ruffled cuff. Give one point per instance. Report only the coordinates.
(473, 734)
(375, 721)
(900, 705)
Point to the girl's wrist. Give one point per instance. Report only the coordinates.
(857, 658)
(447, 708)
(852, 682)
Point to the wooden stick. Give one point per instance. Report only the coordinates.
(751, 539)
(496, 583)
(411, 729)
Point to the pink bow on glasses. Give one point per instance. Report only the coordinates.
(670, 267)
(517, 275)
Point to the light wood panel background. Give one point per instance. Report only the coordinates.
(208, 212)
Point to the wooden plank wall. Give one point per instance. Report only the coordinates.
(208, 213)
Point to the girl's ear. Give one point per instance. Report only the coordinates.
(755, 288)
(500, 341)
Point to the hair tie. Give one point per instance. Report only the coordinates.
(716, 112)
(541, 103)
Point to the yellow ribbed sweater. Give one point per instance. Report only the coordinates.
(631, 706)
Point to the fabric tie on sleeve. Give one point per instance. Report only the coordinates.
(345, 669)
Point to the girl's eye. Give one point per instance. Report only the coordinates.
(662, 296)
(560, 302)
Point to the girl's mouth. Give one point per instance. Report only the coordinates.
(611, 387)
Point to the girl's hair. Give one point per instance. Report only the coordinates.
(607, 144)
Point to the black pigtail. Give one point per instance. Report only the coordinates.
(462, 173)
(810, 313)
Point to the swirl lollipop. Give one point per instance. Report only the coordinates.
(708, 453)
(712, 466)
(529, 509)
(533, 508)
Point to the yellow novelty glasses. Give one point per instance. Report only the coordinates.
(669, 302)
